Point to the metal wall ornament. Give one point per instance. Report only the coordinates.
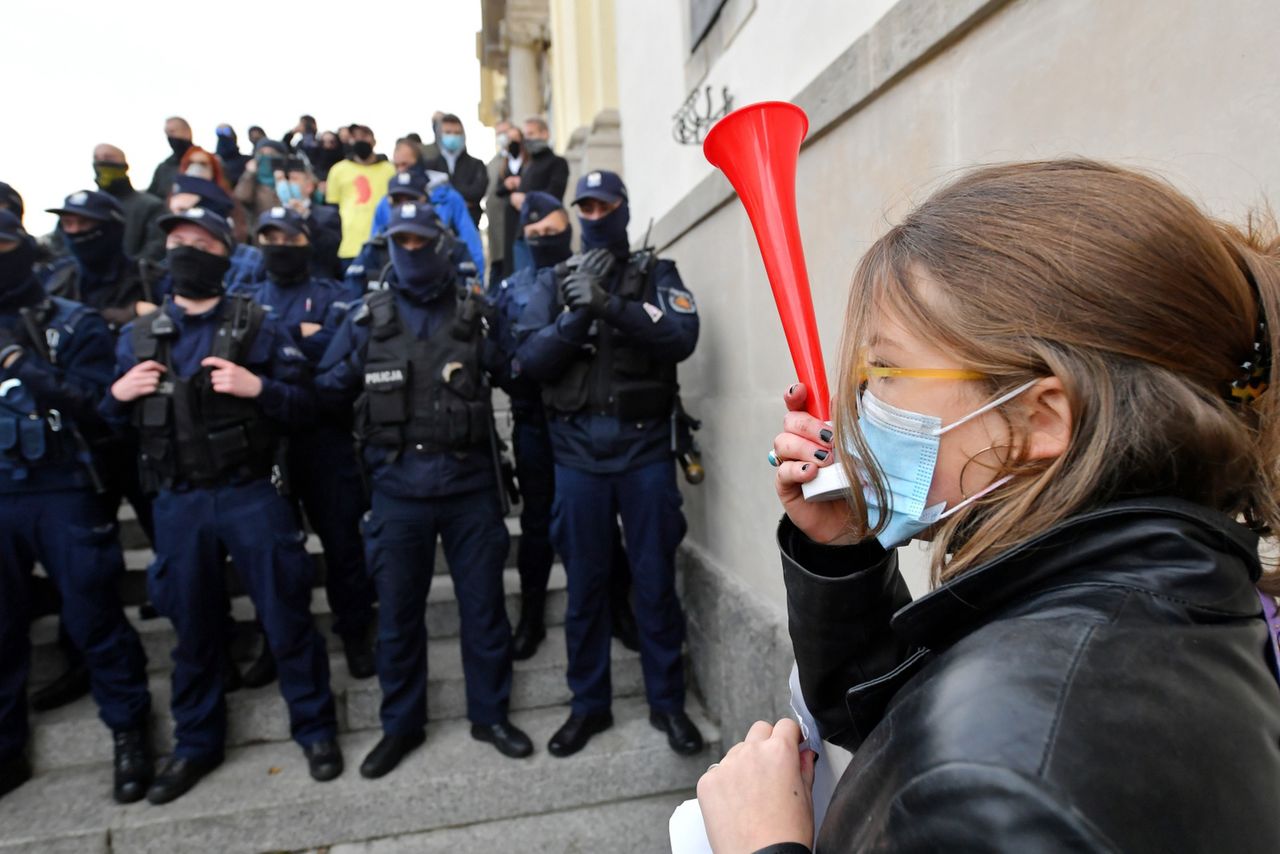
(698, 113)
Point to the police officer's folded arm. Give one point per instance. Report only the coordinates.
(287, 393)
(672, 337)
(546, 353)
(340, 374)
(76, 384)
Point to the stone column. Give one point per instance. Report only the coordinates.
(526, 36)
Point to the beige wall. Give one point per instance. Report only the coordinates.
(1188, 88)
(584, 71)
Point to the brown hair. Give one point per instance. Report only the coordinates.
(1115, 283)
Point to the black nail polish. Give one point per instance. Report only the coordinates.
(792, 390)
(804, 467)
(821, 455)
(825, 435)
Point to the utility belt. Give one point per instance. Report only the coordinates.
(34, 438)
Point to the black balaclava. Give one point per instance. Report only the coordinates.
(608, 232)
(549, 250)
(197, 274)
(287, 264)
(100, 248)
(422, 274)
(18, 288)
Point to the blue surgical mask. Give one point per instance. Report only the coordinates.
(905, 444)
(451, 142)
(287, 192)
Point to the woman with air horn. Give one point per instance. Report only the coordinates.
(1057, 372)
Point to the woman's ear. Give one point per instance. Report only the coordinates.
(1049, 421)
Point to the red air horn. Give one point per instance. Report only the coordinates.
(757, 148)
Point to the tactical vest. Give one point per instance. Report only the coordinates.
(188, 433)
(614, 376)
(31, 435)
(431, 395)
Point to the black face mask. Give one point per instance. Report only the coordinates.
(422, 274)
(287, 264)
(513, 148)
(536, 146)
(362, 149)
(550, 249)
(97, 248)
(179, 146)
(15, 275)
(197, 274)
(111, 177)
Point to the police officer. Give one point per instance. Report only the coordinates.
(548, 234)
(55, 362)
(366, 269)
(97, 272)
(413, 358)
(605, 351)
(322, 472)
(205, 379)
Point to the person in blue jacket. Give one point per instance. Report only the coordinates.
(322, 472)
(604, 344)
(414, 360)
(207, 381)
(55, 362)
(548, 234)
(364, 273)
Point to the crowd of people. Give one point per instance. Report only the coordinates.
(308, 335)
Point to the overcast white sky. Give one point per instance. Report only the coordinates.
(78, 73)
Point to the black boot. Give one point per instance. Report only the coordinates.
(682, 733)
(231, 681)
(177, 776)
(574, 734)
(14, 771)
(506, 736)
(67, 688)
(531, 630)
(133, 770)
(388, 752)
(262, 671)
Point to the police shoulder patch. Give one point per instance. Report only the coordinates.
(681, 302)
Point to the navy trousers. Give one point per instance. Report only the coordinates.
(76, 541)
(325, 479)
(586, 505)
(259, 530)
(400, 535)
(536, 472)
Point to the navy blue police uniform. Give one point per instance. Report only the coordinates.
(323, 474)
(608, 372)
(530, 437)
(413, 359)
(60, 360)
(208, 455)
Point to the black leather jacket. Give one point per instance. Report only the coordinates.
(1107, 686)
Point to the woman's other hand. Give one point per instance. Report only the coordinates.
(761, 793)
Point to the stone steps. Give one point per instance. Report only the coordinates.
(158, 637)
(622, 827)
(262, 799)
(73, 735)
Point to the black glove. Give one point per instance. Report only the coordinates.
(584, 287)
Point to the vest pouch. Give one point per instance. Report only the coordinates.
(229, 447)
(31, 438)
(386, 388)
(642, 401)
(632, 362)
(8, 433)
(155, 411)
(569, 392)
